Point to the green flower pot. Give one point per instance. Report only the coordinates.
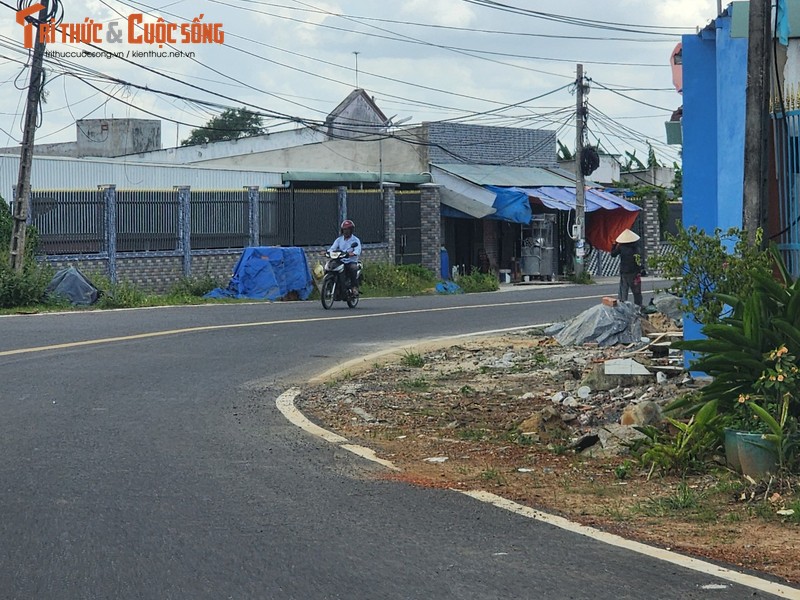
(731, 443)
(758, 457)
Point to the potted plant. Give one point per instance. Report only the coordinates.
(751, 356)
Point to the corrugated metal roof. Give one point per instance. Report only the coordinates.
(503, 176)
(356, 177)
(59, 173)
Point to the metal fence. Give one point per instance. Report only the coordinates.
(275, 217)
(365, 208)
(109, 220)
(315, 220)
(147, 221)
(787, 167)
(69, 222)
(220, 219)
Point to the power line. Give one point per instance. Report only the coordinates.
(450, 27)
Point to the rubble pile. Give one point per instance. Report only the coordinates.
(519, 386)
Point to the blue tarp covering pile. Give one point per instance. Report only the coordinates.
(268, 273)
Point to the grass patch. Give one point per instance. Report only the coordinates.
(420, 384)
(492, 475)
(412, 359)
(472, 435)
(683, 499)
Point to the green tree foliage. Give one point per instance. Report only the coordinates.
(6, 225)
(232, 124)
(652, 161)
(677, 182)
(632, 163)
(564, 153)
(704, 267)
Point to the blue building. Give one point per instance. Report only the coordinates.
(714, 71)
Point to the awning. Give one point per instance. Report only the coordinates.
(474, 200)
(563, 198)
(607, 215)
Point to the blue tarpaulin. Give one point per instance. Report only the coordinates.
(268, 273)
(511, 204)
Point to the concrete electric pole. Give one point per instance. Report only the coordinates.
(756, 142)
(23, 189)
(580, 185)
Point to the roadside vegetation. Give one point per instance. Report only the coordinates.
(748, 305)
(25, 292)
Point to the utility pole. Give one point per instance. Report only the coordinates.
(756, 142)
(23, 189)
(580, 185)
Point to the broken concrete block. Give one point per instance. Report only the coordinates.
(624, 366)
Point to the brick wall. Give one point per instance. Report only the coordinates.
(157, 274)
(481, 144)
(431, 216)
(651, 238)
(390, 220)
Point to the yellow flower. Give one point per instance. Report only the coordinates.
(780, 378)
(743, 398)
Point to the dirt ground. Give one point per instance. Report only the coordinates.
(510, 415)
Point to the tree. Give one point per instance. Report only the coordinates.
(652, 161)
(232, 124)
(564, 153)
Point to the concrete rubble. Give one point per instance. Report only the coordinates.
(587, 396)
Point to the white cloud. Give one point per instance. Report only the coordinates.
(453, 13)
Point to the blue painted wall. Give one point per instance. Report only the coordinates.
(699, 139)
(731, 86)
(714, 81)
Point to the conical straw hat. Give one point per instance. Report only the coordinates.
(626, 237)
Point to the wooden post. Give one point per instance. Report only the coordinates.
(756, 143)
(23, 189)
(580, 182)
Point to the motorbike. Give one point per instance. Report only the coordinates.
(335, 284)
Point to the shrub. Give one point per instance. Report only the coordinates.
(478, 282)
(24, 288)
(122, 294)
(688, 448)
(705, 267)
(194, 286)
(381, 279)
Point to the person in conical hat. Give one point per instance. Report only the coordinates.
(627, 237)
(631, 265)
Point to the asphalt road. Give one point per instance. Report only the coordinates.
(158, 467)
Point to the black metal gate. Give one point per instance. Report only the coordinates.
(408, 227)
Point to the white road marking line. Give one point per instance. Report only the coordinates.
(285, 403)
(204, 328)
(674, 558)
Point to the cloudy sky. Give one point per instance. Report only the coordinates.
(506, 63)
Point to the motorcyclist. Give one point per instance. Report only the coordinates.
(344, 243)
